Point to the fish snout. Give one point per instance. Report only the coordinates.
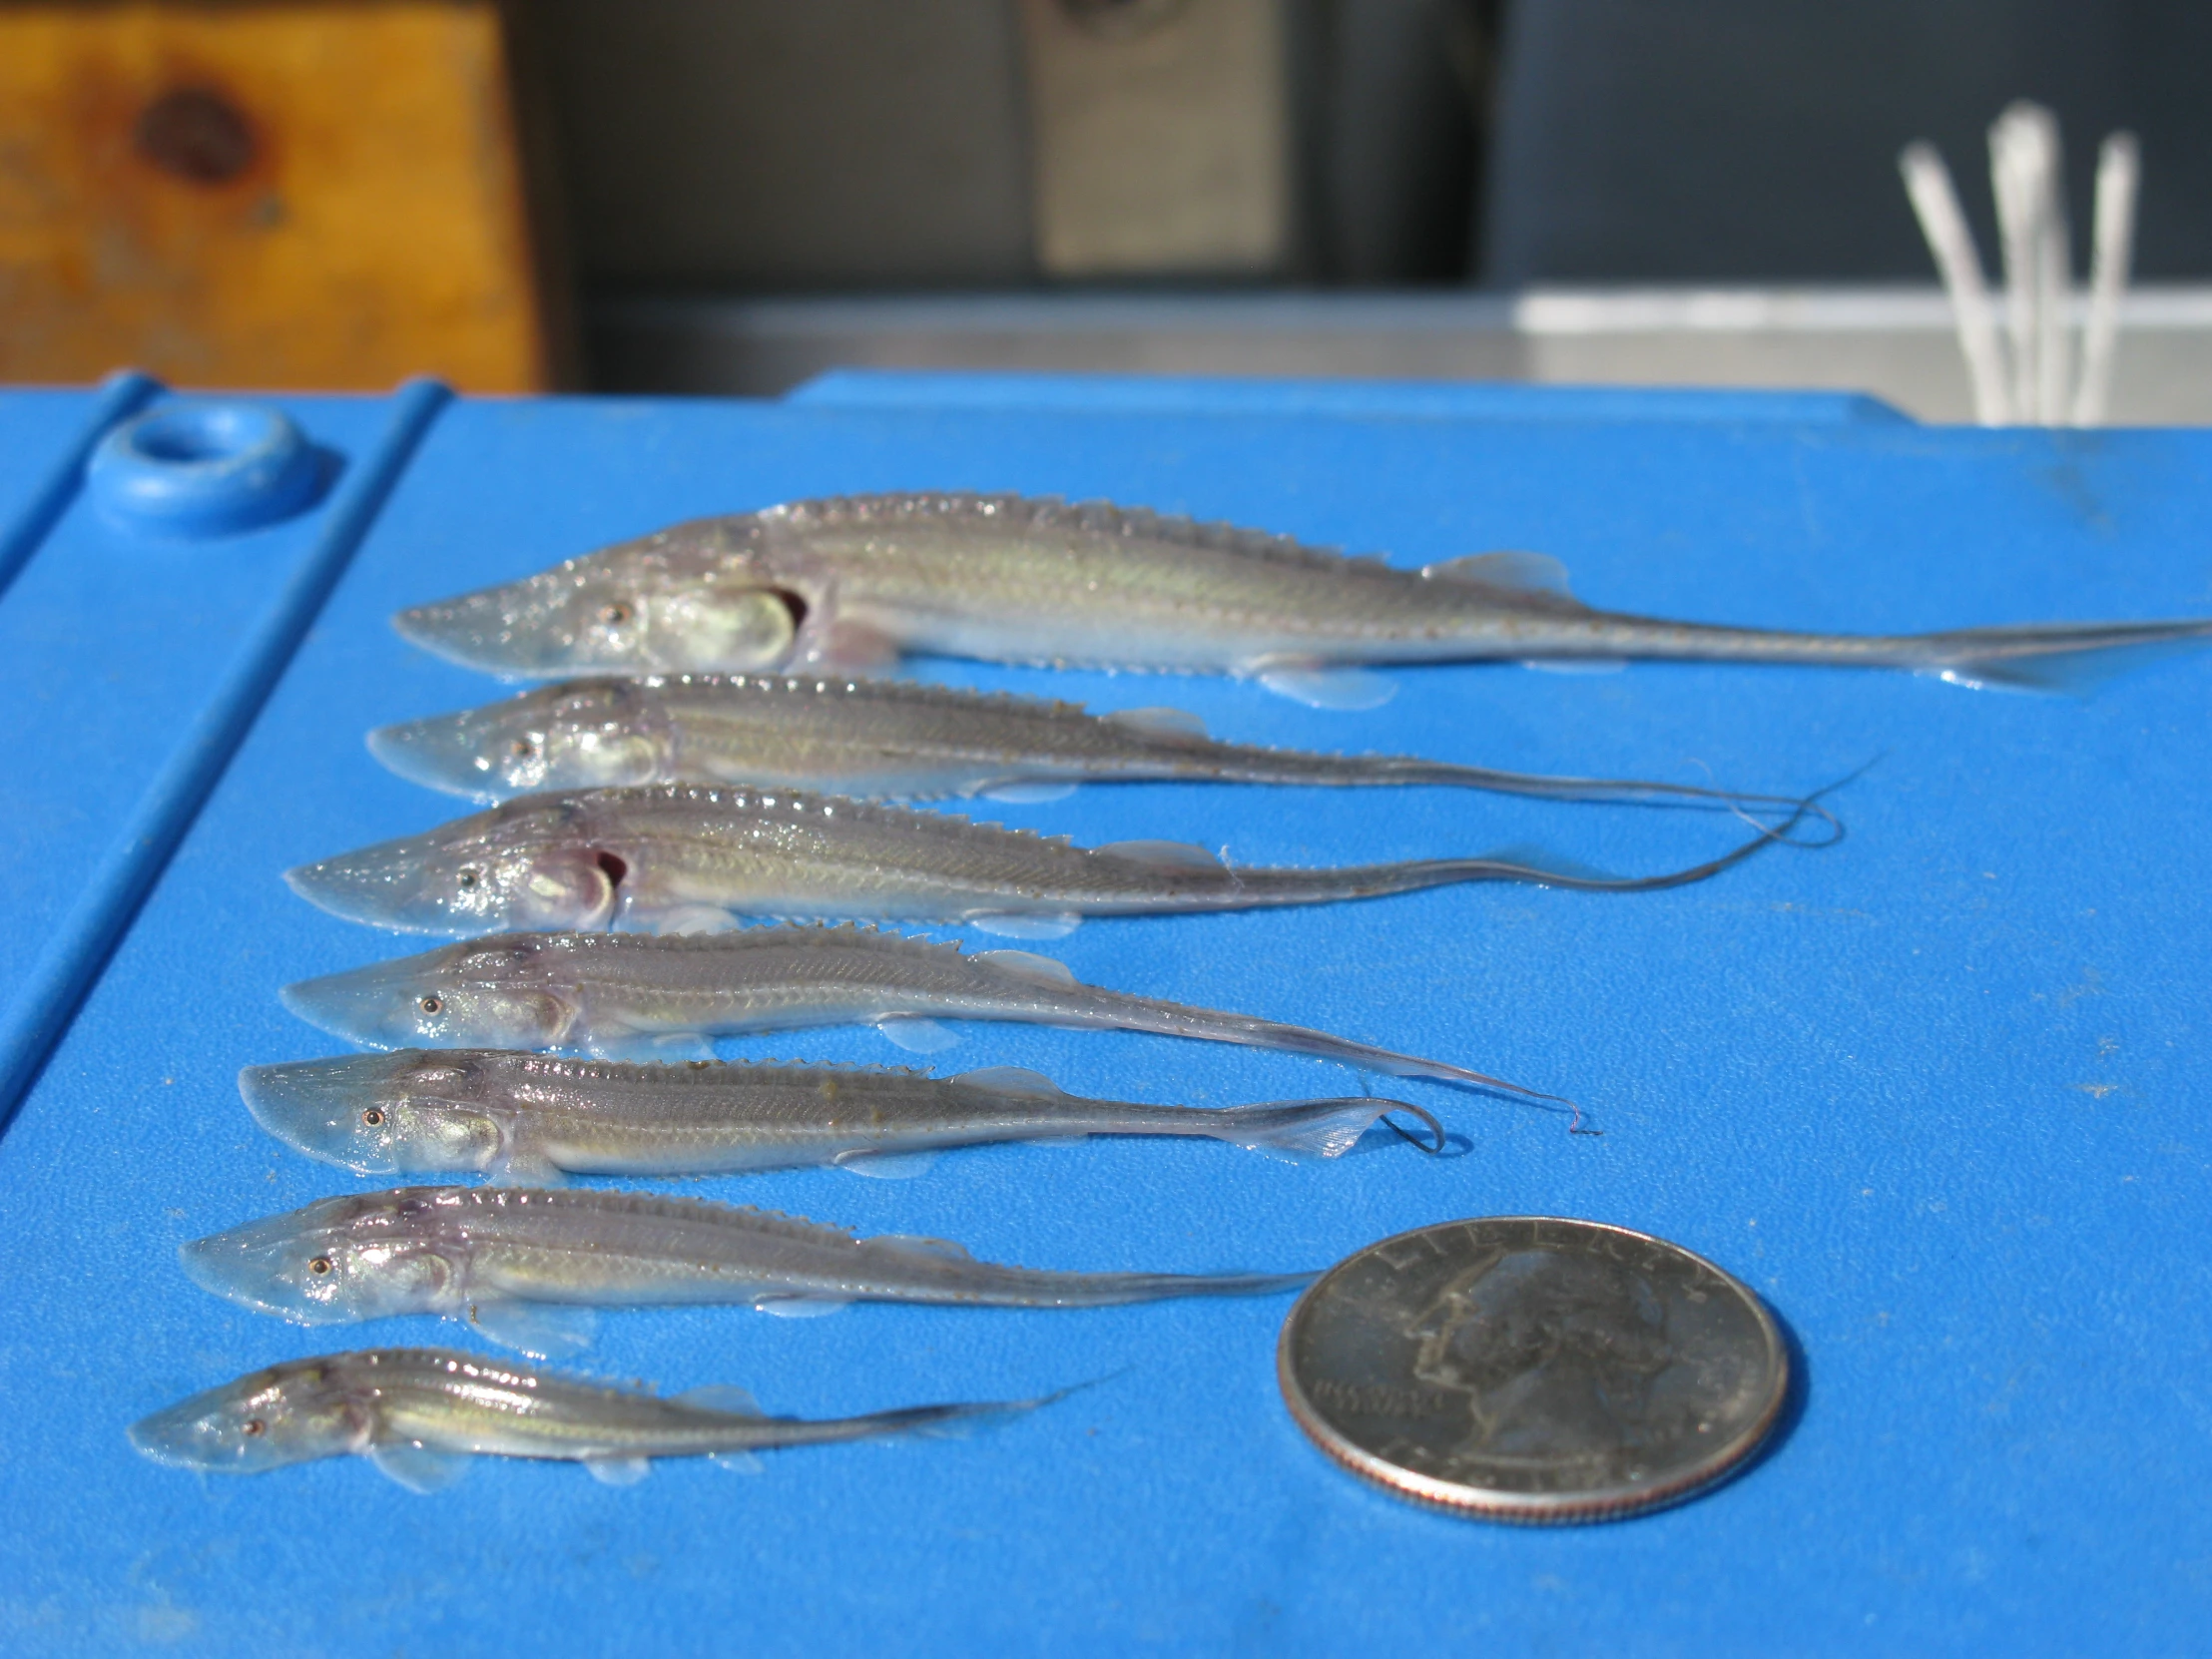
(254, 1267)
(336, 1110)
(494, 629)
(417, 885)
(445, 752)
(423, 1002)
(382, 886)
(371, 1005)
(194, 1433)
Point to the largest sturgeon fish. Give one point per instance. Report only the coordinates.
(852, 582)
(686, 857)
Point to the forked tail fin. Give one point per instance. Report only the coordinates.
(2069, 658)
(1312, 1128)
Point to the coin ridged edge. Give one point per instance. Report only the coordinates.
(1468, 1502)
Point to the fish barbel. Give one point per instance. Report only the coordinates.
(690, 857)
(852, 582)
(635, 997)
(516, 1260)
(876, 738)
(419, 1413)
(529, 1118)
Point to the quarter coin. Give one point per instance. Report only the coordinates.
(1535, 1370)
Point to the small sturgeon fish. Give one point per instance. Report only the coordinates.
(419, 1413)
(876, 738)
(518, 1262)
(686, 858)
(633, 997)
(852, 582)
(531, 1117)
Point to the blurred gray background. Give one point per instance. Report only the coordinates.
(1686, 191)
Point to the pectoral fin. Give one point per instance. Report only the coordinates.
(1026, 924)
(1318, 685)
(417, 1466)
(804, 1307)
(617, 1471)
(1036, 794)
(689, 920)
(916, 1034)
(1575, 665)
(885, 1166)
(1533, 574)
(542, 1329)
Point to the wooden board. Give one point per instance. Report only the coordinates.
(314, 194)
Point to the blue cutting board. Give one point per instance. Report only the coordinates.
(1936, 1093)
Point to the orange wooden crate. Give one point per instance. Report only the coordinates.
(327, 193)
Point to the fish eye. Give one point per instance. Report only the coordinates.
(373, 1118)
(254, 1425)
(469, 878)
(617, 613)
(320, 1265)
(523, 748)
(430, 1005)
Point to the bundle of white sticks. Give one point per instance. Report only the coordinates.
(2028, 376)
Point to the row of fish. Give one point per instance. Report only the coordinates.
(734, 781)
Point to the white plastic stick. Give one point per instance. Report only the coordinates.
(2053, 281)
(2018, 164)
(1928, 183)
(2118, 173)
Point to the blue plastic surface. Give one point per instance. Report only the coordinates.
(1430, 399)
(203, 468)
(1936, 1093)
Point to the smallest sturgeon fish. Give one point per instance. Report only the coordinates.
(419, 1413)
(527, 1266)
(893, 739)
(531, 1118)
(634, 996)
(690, 857)
(852, 582)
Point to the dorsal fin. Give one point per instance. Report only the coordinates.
(1017, 1081)
(1536, 575)
(1027, 964)
(1181, 858)
(726, 1398)
(1158, 723)
(909, 1243)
